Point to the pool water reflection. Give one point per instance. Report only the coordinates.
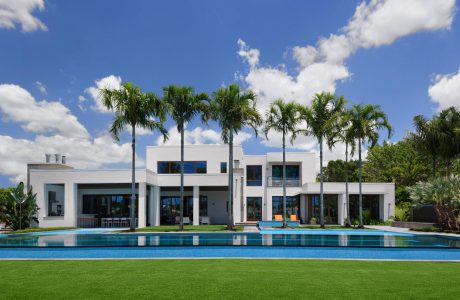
(227, 239)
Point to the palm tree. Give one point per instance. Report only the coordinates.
(366, 122)
(21, 198)
(285, 118)
(427, 139)
(449, 127)
(183, 105)
(134, 108)
(233, 109)
(321, 119)
(343, 135)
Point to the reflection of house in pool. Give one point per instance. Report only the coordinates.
(100, 198)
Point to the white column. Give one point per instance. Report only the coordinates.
(70, 204)
(341, 210)
(156, 206)
(196, 205)
(141, 210)
(388, 205)
(303, 208)
(151, 211)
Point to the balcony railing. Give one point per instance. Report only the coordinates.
(278, 181)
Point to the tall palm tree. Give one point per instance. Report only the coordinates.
(183, 105)
(134, 108)
(233, 109)
(285, 118)
(449, 128)
(366, 122)
(427, 139)
(321, 119)
(344, 136)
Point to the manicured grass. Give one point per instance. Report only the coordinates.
(431, 229)
(39, 229)
(190, 228)
(228, 279)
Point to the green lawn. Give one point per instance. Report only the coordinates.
(191, 228)
(228, 279)
(39, 229)
(327, 227)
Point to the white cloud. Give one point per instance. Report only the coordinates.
(18, 105)
(445, 90)
(139, 130)
(14, 12)
(200, 136)
(376, 23)
(68, 136)
(110, 82)
(41, 87)
(81, 103)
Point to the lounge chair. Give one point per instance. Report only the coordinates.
(186, 220)
(205, 220)
(278, 218)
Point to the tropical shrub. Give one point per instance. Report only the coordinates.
(402, 212)
(444, 194)
(313, 221)
(18, 208)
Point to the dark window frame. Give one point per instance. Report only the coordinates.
(250, 181)
(223, 167)
(173, 167)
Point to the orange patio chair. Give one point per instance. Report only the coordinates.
(294, 218)
(278, 218)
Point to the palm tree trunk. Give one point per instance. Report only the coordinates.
(360, 173)
(20, 216)
(132, 224)
(181, 213)
(230, 182)
(321, 201)
(284, 182)
(347, 196)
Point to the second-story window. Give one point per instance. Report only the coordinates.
(190, 167)
(254, 175)
(223, 167)
(292, 171)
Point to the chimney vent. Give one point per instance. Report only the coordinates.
(48, 158)
(58, 158)
(63, 158)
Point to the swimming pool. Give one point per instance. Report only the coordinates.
(326, 238)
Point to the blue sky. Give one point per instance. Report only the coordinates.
(66, 46)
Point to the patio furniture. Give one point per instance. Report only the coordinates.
(124, 222)
(205, 220)
(116, 222)
(294, 218)
(103, 222)
(278, 218)
(186, 220)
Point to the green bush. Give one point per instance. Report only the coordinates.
(313, 221)
(18, 208)
(402, 212)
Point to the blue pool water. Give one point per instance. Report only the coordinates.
(267, 238)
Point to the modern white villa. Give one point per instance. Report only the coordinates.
(100, 198)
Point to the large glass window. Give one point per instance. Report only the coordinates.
(55, 194)
(254, 175)
(330, 208)
(223, 167)
(371, 207)
(292, 205)
(107, 205)
(292, 171)
(170, 208)
(190, 167)
(254, 208)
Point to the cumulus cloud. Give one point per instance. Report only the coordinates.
(374, 23)
(57, 131)
(323, 65)
(110, 82)
(14, 12)
(41, 87)
(445, 90)
(18, 105)
(200, 136)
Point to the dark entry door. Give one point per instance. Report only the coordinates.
(254, 208)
